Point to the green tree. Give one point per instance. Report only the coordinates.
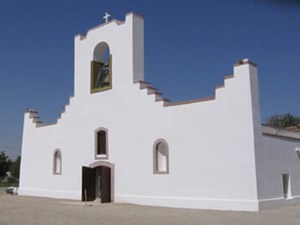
(15, 168)
(5, 164)
(284, 120)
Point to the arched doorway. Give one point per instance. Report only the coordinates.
(97, 182)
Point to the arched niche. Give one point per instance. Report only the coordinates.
(160, 157)
(57, 162)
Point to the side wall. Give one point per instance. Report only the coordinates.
(277, 156)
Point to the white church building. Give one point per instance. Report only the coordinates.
(120, 140)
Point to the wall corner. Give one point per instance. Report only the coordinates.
(137, 45)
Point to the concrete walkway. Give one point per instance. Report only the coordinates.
(16, 210)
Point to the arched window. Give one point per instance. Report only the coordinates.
(101, 72)
(160, 157)
(101, 143)
(57, 162)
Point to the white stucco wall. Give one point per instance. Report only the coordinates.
(277, 156)
(211, 143)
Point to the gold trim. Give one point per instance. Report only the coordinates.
(95, 90)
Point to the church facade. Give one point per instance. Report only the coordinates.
(120, 140)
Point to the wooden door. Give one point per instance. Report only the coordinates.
(88, 184)
(105, 184)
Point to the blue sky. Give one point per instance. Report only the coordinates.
(189, 47)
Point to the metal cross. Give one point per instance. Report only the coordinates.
(106, 17)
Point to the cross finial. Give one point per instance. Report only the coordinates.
(106, 17)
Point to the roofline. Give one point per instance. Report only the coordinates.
(118, 22)
(280, 132)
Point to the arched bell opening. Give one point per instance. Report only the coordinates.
(101, 68)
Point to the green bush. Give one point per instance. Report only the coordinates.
(8, 184)
(285, 120)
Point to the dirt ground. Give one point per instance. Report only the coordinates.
(17, 210)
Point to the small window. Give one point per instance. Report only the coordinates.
(161, 157)
(57, 163)
(101, 143)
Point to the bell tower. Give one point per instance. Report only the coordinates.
(109, 56)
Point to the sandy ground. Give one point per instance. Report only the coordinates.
(16, 210)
